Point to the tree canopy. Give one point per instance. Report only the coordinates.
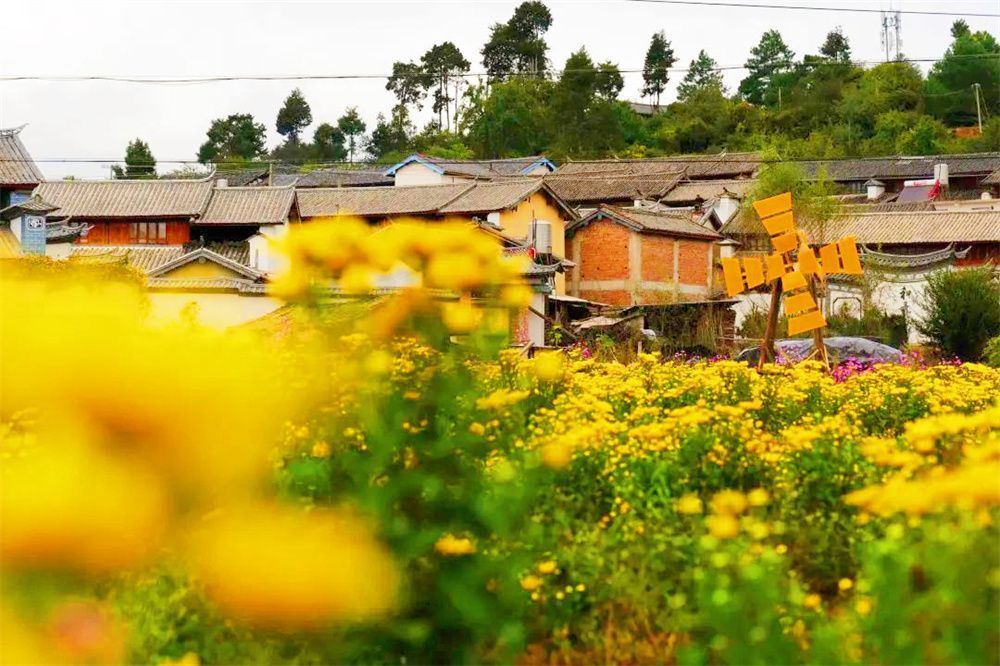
(294, 116)
(139, 161)
(769, 67)
(353, 127)
(237, 137)
(656, 68)
(518, 46)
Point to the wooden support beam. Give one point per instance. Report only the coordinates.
(767, 346)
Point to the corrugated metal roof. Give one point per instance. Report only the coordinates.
(248, 205)
(127, 198)
(609, 187)
(376, 201)
(896, 228)
(694, 166)
(10, 247)
(16, 165)
(673, 223)
(897, 167)
(703, 190)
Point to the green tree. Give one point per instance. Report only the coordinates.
(236, 138)
(656, 68)
(294, 116)
(352, 126)
(702, 73)
(510, 120)
(441, 64)
(835, 47)
(518, 46)
(583, 120)
(409, 83)
(925, 137)
(890, 86)
(962, 311)
(139, 161)
(972, 59)
(391, 137)
(328, 143)
(609, 81)
(769, 66)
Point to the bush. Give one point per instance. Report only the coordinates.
(991, 354)
(962, 311)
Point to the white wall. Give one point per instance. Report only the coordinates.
(264, 256)
(217, 311)
(416, 173)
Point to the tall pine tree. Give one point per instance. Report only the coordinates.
(770, 62)
(702, 73)
(656, 69)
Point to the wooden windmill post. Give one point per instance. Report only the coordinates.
(793, 269)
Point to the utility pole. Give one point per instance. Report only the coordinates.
(979, 111)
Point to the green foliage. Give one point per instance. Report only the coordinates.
(991, 353)
(328, 143)
(518, 46)
(440, 64)
(701, 75)
(294, 116)
(962, 311)
(836, 48)
(233, 139)
(656, 67)
(139, 161)
(352, 127)
(409, 82)
(391, 139)
(972, 58)
(770, 67)
(511, 119)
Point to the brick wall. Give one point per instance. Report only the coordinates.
(609, 296)
(657, 258)
(603, 251)
(693, 262)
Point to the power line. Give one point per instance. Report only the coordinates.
(858, 10)
(166, 80)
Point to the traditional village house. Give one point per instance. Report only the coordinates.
(694, 167)
(586, 191)
(189, 238)
(630, 256)
(19, 174)
(900, 244)
(961, 174)
(420, 169)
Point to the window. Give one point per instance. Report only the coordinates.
(148, 233)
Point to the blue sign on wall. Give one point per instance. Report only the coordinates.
(19, 197)
(33, 234)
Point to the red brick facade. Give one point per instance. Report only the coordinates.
(657, 253)
(604, 250)
(622, 266)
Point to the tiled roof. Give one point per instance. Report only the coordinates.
(972, 164)
(601, 187)
(377, 201)
(722, 165)
(35, 205)
(487, 197)
(483, 169)
(241, 177)
(248, 205)
(204, 254)
(993, 178)
(148, 258)
(344, 178)
(199, 284)
(127, 198)
(896, 228)
(16, 165)
(673, 223)
(9, 245)
(704, 190)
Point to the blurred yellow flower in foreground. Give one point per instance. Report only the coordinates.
(284, 568)
(689, 504)
(548, 367)
(557, 455)
(731, 502)
(547, 567)
(72, 507)
(531, 583)
(723, 526)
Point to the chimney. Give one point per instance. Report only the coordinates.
(941, 174)
(222, 182)
(876, 188)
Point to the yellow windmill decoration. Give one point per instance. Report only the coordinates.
(794, 276)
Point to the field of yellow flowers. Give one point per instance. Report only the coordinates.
(392, 493)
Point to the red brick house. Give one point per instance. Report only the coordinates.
(633, 256)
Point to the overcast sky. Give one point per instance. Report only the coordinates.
(95, 120)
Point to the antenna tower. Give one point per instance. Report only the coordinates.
(892, 41)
